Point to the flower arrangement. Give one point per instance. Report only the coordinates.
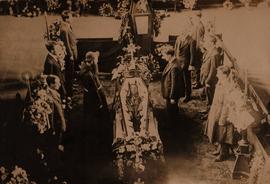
(106, 10)
(125, 31)
(190, 4)
(17, 175)
(122, 8)
(39, 108)
(134, 152)
(54, 31)
(157, 18)
(38, 112)
(146, 66)
(31, 11)
(53, 5)
(228, 5)
(85, 5)
(246, 2)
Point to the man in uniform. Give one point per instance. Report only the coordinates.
(70, 42)
(198, 37)
(53, 65)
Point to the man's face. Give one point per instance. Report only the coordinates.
(70, 18)
(57, 84)
(59, 52)
(168, 57)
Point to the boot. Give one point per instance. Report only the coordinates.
(223, 153)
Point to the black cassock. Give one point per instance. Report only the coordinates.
(97, 126)
(94, 100)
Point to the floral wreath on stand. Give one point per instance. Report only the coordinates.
(106, 10)
(228, 5)
(39, 108)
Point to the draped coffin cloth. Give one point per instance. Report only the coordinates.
(123, 124)
(137, 147)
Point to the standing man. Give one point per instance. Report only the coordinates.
(53, 65)
(70, 42)
(172, 83)
(184, 52)
(211, 61)
(198, 36)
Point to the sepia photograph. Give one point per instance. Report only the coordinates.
(134, 91)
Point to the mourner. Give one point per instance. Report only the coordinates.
(94, 98)
(172, 83)
(54, 66)
(218, 128)
(211, 61)
(69, 39)
(184, 52)
(198, 36)
(51, 142)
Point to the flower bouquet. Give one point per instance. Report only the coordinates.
(189, 4)
(146, 66)
(54, 31)
(16, 176)
(228, 5)
(39, 108)
(106, 10)
(53, 5)
(38, 112)
(122, 8)
(134, 152)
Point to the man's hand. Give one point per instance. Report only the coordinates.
(207, 85)
(172, 101)
(100, 87)
(63, 127)
(71, 58)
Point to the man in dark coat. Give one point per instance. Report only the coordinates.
(172, 83)
(198, 36)
(53, 66)
(69, 39)
(184, 52)
(211, 61)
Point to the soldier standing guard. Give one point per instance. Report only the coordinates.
(53, 65)
(69, 39)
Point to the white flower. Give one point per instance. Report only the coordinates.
(121, 149)
(130, 148)
(146, 147)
